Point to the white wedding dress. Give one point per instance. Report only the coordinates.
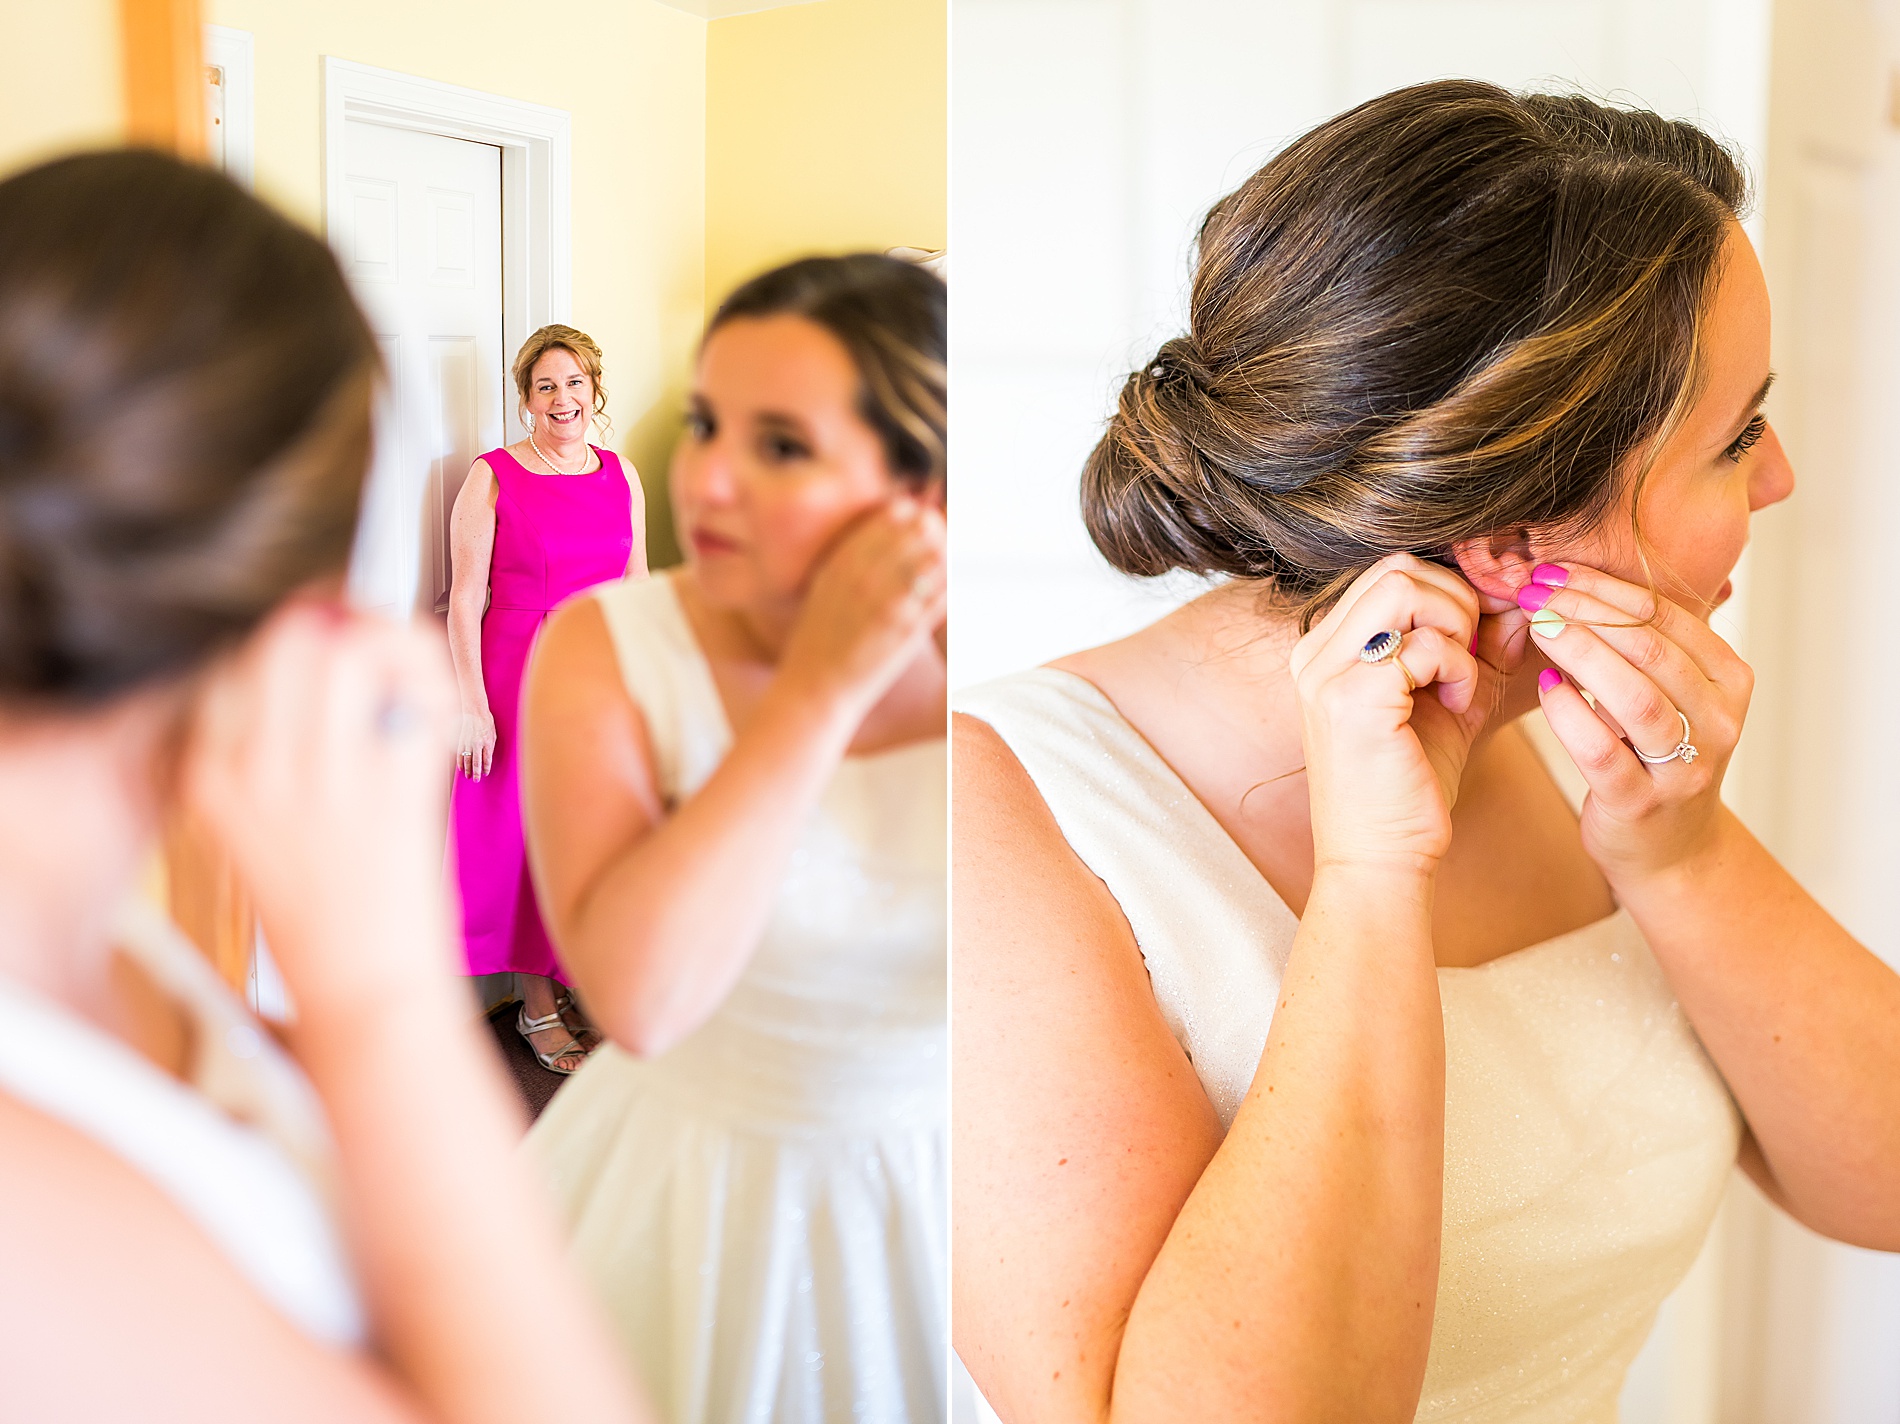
(241, 1146)
(1587, 1135)
(763, 1206)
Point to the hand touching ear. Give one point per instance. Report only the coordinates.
(1670, 697)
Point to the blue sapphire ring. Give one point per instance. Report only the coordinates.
(1382, 647)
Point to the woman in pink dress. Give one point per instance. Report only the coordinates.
(535, 522)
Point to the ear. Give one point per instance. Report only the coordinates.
(1497, 566)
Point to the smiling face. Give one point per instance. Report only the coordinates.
(560, 395)
(1721, 465)
(776, 461)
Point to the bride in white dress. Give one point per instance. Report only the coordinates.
(1314, 1059)
(200, 1222)
(734, 787)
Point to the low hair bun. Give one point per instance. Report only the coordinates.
(1450, 311)
(1151, 494)
(185, 397)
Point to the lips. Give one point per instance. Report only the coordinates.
(707, 544)
(1724, 593)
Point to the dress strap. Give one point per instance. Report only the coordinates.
(1210, 928)
(236, 1176)
(669, 680)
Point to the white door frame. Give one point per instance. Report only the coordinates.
(235, 52)
(537, 277)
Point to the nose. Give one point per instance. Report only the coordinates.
(709, 471)
(1772, 479)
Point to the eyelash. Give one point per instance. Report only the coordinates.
(1747, 440)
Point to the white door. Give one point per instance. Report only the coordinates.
(419, 236)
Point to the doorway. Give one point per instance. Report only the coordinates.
(420, 241)
(448, 209)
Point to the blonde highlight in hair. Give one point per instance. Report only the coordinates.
(1450, 312)
(577, 344)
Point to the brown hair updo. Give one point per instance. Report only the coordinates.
(890, 316)
(578, 344)
(185, 390)
(1448, 312)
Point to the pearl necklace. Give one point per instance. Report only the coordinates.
(551, 465)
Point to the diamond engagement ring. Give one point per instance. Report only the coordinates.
(1684, 751)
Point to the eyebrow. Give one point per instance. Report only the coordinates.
(781, 419)
(1748, 411)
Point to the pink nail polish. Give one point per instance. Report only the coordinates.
(1549, 678)
(1534, 596)
(1556, 575)
(1474, 642)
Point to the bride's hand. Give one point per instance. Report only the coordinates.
(875, 599)
(1649, 664)
(1383, 761)
(317, 756)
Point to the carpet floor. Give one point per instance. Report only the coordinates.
(534, 1083)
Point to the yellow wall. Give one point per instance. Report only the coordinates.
(826, 131)
(59, 78)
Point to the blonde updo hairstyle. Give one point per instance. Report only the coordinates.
(1449, 312)
(577, 344)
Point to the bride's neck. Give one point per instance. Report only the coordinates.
(1235, 642)
(81, 824)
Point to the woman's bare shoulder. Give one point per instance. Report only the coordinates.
(116, 1306)
(575, 641)
(1007, 846)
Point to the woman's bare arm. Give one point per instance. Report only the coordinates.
(1803, 1021)
(1115, 1258)
(657, 913)
(637, 513)
(317, 759)
(471, 548)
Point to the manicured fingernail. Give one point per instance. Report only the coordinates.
(1534, 596)
(1556, 575)
(1547, 622)
(1474, 642)
(1548, 679)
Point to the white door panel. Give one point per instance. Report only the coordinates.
(420, 240)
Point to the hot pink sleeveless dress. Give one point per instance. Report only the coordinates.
(554, 536)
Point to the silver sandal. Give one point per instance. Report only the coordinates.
(550, 1061)
(586, 1035)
